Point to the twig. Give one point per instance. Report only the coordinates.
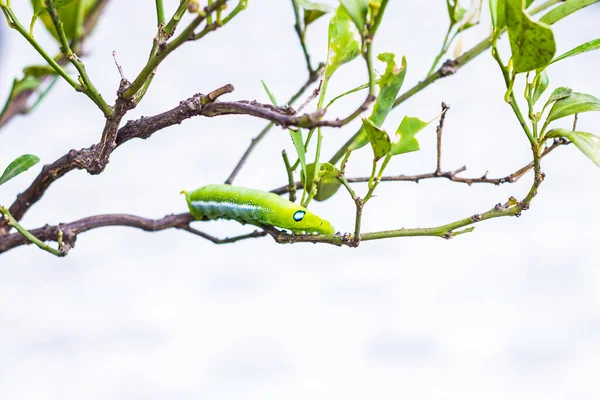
(71, 230)
(114, 54)
(215, 240)
(447, 231)
(450, 175)
(301, 37)
(439, 130)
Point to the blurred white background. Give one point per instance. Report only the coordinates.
(509, 311)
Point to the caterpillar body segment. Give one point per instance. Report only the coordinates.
(254, 207)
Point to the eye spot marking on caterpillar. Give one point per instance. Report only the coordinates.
(298, 215)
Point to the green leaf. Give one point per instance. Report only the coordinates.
(313, 10)
(532, 43)
(311, 16)
(405, 141)
(455, 11)
(390, 84)
(18, 166)
(21, 85)
(343, 44)
(353, 90)
(269, 93)
(586, 142)
(541, 82)
(380, 140)
(39, 8)
(573, 104)
(72, 14)
(296, 135)
(557, 94)
(583, 48)
(565, 9)
(38, 71)
(357, 10)
(497, 8)
(299, 145)
(314, 5)
(327, 178)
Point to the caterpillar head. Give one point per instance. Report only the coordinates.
(305, 221)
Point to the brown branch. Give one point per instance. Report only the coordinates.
(450, 175)
(95, 158)
(71, 230)
(19, 105)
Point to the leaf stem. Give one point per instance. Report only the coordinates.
(443, 50)
(509, 81)
(11, 221)
(160, 12)
(170, 27)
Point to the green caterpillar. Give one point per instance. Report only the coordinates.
(254, 207)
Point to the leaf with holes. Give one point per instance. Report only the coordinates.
(405, 141)
(389, 87)
(455, 11)
(344, 45)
